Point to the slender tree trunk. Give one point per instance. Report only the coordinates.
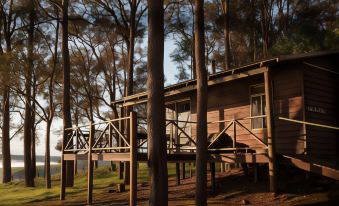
(129, 90)
(68, 166)
(201, 158)
(29, 175)
(194, 71)
(51, 107)
(266, 19)
(6, 152)
(33, 135)
(227, 57)
(156, 105)
(48, 155)
(131, 51)
(6, 149)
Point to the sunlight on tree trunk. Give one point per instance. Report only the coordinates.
(156, 105)
(201, 156)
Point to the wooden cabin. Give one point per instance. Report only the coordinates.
(303, 87)
(285, 106)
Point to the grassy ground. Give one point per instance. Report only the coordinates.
(15, 193)
(233, 188)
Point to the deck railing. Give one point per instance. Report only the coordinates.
(112, 136)
(235, 124)
(106, 137)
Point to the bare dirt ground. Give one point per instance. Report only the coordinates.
(233, 188)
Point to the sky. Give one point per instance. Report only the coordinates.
(17, 142)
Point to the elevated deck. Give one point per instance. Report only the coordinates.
(175, 158)
(111, 142)
(125, 140)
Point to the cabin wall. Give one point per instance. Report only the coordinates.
(227, 101)
(288, 103)
(299, 92)
(321, 106)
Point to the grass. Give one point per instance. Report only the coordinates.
(15, 193)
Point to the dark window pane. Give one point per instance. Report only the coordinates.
(256, 106)
(256, 123)
(184, 107)
(264, 110)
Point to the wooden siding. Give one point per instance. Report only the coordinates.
(231, 101)
(295, 87)
(321, 103)
(287, 83)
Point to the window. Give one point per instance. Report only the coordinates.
(258, 106)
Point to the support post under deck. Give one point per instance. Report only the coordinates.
(270, 132)
(63, 176)
(212, 168)
(133, 159)
(183, 170)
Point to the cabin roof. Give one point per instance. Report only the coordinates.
(223, 76)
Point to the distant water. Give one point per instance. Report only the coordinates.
(17, 161)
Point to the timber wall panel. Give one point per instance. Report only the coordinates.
(228, 101)
(321, 92)
(290, 137)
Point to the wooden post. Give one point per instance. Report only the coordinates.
(177, 144)
(63, 176)
(255, 172)
(121, 129)
(234, 133)
(191, 170)
(183, 171)
(77, 146)
(90, 166)
(222, 167)
(177, 172)
(214, 70)
(270, 132)
(212, 167)
(235, 141)
(133, 159)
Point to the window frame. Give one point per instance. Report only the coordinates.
(261, 95)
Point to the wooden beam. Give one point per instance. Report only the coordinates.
(142, 97)
(123, 156)
(133, 158)
(270, 132)
(313, 166)
(309, 123)
(239, 158)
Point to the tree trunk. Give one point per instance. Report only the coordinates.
(66, 101)
(6, 149)
(194, 71)
(156, 105)
(201, 156)
(33, 135)
(29, 175)
(6, 152)
(51, 107)
(227, 57)
(130, 71)
(47, 155)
